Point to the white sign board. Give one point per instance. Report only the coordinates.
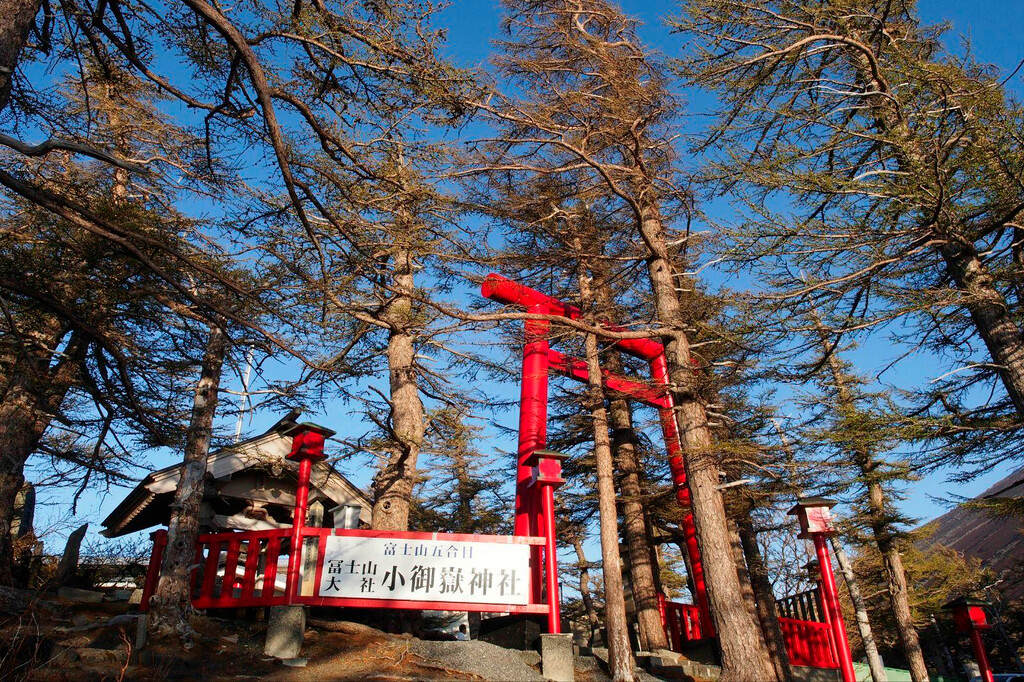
(425, 570)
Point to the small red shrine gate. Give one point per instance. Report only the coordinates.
(538, 360)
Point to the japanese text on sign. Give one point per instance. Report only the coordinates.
(425, 570)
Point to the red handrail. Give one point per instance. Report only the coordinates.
(808, 643)
(682, 622)
(241, 569)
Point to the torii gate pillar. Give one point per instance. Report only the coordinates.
(538, 360)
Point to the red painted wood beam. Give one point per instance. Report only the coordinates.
(503, 290)
(574, 368)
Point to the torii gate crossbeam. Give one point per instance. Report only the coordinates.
(538, 361)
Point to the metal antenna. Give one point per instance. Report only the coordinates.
(245, 393)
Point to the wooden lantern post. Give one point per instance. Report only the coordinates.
(547, 475)
(815, 516)
(307, 447)
(969, 616)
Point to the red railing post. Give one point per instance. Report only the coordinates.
(980, 656)
(664, 619)
(970, 617)
(551, 562)
(153, 570)
(815, 517)
(831, 598)
(546, 472)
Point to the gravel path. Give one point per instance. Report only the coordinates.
(480, 658)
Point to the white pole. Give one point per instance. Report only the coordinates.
(245, 393)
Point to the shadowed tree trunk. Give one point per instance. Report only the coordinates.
(583, 566)
(34, 388)
(764, 597)
(641, 570)
(16, 19)
(620, 655)
(746, 588)
(171, 605)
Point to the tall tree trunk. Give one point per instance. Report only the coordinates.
(641, 571)
(33, 392)
(740, 560)
(583, 566)
(744, 654)
(878, 520)
(18, 17)
(861, 612)
(896, 582)
(393, 484)
(465, 491)
(990, 313)
(764, 597)
(620, 655)
(171, 605)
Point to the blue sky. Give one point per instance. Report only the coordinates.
(993, 27)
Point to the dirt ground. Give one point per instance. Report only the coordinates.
(54, 641)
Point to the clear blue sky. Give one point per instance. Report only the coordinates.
(994, 27)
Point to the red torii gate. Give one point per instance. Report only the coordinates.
(534, 513)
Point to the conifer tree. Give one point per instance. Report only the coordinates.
(459, 491)
(87, 344)
(891, 171)
(593, 104)
(854, 432)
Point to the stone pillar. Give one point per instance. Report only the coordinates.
(556, 658)
(285, 630)
(67, 569)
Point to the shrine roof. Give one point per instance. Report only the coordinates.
(147, 504)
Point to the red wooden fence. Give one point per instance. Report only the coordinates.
(683, 623)
(808, 643)
(250, 568)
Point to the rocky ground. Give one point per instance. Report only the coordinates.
(56, 641)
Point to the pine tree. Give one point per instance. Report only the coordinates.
(852, 428)
(889, 170)
(459, 491)
(85, 342)
(592, 105)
